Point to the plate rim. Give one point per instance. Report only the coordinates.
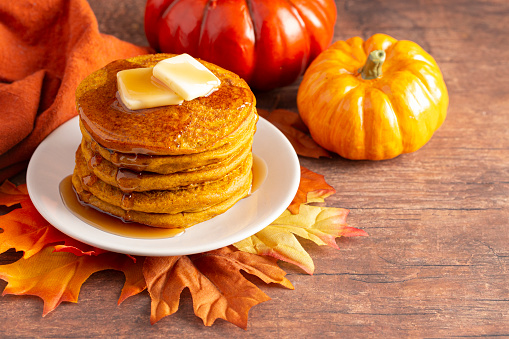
(116, 246)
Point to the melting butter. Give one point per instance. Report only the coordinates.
(186, 76)
(139, 89)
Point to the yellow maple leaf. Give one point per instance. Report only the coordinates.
(322, 225)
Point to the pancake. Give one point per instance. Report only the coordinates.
(177, 163)
(192, 127)
(194, 198)
(169, 166)
(163, 220)
(128, 180)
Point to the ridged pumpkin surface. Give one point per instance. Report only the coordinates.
(379, 118)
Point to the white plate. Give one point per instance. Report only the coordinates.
(53, 160)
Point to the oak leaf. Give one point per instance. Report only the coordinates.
(217, 287)
(312, 185)
(292, 126)
(58, 276)
(322, 225)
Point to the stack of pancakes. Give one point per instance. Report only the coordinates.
(170, 166)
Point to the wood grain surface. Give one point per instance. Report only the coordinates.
(437, 259)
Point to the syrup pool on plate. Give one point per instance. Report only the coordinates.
(117, 226)
(110, 223)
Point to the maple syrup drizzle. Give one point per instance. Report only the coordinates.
(129, 160)
(127, 180)
(95, 161)
(127, 202)
(115, 225)
(89, 180)
(107, 222)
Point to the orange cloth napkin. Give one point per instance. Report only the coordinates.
(47, 48)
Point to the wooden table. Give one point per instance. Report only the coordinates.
(437, 259)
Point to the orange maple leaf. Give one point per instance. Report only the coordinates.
(217, 287)
(292, 126)
(312, 185)
(11, 194)
(78, 248)
(58, 276)
(26, 230)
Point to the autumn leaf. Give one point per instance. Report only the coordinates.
(217, 287)
(55, 266)
(78, 248)
(11, 194)
(284, 117)
(312, 185)
(56, 277)
(26, 230)
(322, 225)
(292, 126)
(133, 271)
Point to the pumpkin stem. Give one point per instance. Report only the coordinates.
(373, 67)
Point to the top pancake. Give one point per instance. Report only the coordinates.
(192, 127)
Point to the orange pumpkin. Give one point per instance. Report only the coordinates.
(373, 99)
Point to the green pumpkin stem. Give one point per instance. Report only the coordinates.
(373, 67)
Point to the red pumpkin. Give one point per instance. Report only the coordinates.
(269, 43)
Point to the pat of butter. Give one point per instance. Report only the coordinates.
(139, 89)
(186, 76)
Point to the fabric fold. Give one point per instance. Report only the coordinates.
(48, 47)
(20, 103)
